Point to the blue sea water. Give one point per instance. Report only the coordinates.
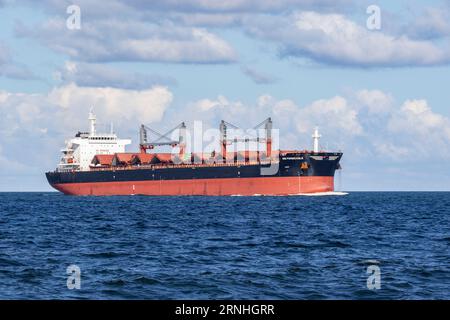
(294, 247)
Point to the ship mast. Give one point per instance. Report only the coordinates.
(93, 120)
(316, 137)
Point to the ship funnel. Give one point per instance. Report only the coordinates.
(316, 137)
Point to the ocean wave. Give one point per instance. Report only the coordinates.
(321, 194)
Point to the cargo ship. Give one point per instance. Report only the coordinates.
(97, 164)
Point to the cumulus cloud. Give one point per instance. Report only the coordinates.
(332, 114)
(416, 116)
(130, 40)
(100, 75)
(211, 111)
(157, 31)
(411, 128)
(334, 39)
(419, 126)
(117, 104)
(39, 123)
(375, 101)
(423, 132)
(335, 112)
(366, 124)
(336, 117)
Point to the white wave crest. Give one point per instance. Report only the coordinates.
(320, 194)
(315, 194)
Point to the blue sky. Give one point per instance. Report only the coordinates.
(379, 95)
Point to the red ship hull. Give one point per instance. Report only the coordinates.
(207, 187)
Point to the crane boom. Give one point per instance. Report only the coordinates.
(267, 123)
(162, 139)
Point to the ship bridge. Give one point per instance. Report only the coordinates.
(79, 151)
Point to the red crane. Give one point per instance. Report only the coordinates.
(224, 141)
(163, 139)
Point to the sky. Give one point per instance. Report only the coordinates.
(372, 75)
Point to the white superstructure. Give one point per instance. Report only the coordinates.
(79, 151)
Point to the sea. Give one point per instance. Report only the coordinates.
(355, 245)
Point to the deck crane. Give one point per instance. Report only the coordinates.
(224, 141)
(163, 139)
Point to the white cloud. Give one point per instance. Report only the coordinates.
(201, 46)
(334, 39)
(330, 114)
(117, 104)
(411, 128)
(28, 112)
(39, 123)
(207, 104)
(221, 103)
(376, 101)
(130, 40)
(3, 96)
(416, 117)
(178, 31)
(336, 117)
(419, 129)
(366, 124)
